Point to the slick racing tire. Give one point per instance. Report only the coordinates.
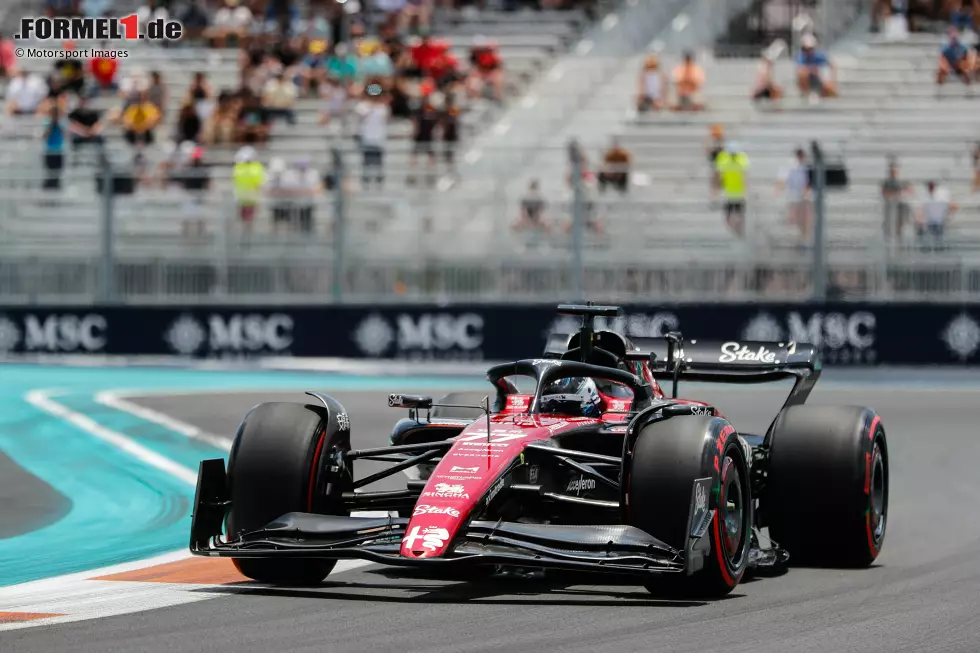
(462, 399)
(667, 458)
(278, 465)
(826, 497)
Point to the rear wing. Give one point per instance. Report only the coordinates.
(671, 358)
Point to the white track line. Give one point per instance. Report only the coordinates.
(75, 594)
(113, 399)
(41, 399)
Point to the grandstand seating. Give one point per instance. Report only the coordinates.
(36, 220)
(888, 106)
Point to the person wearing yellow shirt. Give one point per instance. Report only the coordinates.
(139, 121)
(248, 177)
(732, 166)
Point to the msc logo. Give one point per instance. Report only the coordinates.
(64, 333)
(234, 333)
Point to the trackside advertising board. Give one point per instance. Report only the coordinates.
(846, 333)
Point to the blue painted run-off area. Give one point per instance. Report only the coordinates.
(121, 508)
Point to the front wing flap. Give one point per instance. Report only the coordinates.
(597, 548)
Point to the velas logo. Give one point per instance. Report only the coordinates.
(108, 28)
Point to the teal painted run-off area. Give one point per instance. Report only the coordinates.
(121, 508)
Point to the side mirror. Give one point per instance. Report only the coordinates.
(409, 401)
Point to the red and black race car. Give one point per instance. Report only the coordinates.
(590, 468)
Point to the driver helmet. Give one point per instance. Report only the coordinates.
(574, 397)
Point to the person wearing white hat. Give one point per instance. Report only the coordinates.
(810, 63)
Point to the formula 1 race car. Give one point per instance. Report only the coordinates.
(594, 470)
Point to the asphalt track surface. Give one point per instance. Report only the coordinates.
(28, 502)
(921, 595)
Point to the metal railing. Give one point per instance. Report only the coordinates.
(661, 240)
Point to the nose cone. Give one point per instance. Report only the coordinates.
(424, 541)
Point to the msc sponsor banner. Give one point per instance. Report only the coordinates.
(845, 333)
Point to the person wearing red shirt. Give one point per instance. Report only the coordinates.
(8, 62)
(104, 71)
(426, 54)
(486, 70)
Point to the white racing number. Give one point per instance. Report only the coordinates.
(495, 438)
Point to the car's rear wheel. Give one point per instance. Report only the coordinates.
(277, 465)
(826, 497)
(667, 458)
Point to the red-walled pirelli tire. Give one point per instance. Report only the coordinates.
(826, 497)
(276, 466)
(667, 458)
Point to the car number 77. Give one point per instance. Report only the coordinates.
(494, 437)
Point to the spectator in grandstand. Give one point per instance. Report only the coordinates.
(936, 209)
(424, 125)
(794, 180)
(189, 124)
(895, 194)
(195, 177)
(85, 125)
(277, 191)
(533, 206)
(342, 64)
(732, 165)
(8, 60)
(157, 93)
(307, 188)
(200, 95)
(585, 186)
(373, 114)
(449, 120)
(963, 16)
(651, 86)
(279, 98)
(233, 21)
(152, 10)
(334, 98)
(131, 85)
(486, 78)
(103, 70)
(25, 92)
(248, 177)
(374, 63)
(688, 82)
(715, 146)
(195, 20)
(253, 120)
(765, 84)
(890, 18)
(54, 8)
(53, 130)
(56, 97)
(615, 170)
(955, 59)
(221, 127)
(313, 70)
(139, 121)
(69, 69)
(810, 64)
(976, 167)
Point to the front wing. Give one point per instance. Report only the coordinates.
(611, 549)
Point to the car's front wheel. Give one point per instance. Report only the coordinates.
(278, 465)
(667, 459)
